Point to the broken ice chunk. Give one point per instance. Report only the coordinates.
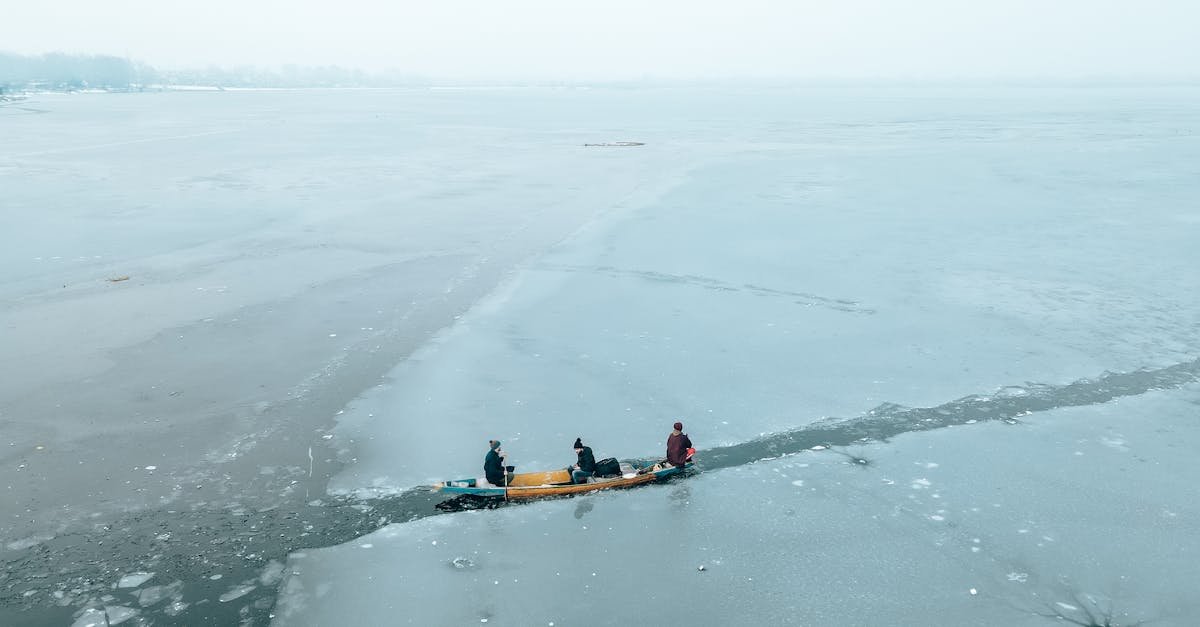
(134, 580)
(236, 593)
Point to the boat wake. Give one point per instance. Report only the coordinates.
(1007, 404)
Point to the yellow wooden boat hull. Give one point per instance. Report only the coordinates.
(551, 483)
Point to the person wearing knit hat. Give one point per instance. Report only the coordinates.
(493, 465)
(586, 466)
(677, 446)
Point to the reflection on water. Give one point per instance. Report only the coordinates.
(680, 496)
(584, 506)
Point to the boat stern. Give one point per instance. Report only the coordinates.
(477, 487)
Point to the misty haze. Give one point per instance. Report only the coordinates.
(543, 313)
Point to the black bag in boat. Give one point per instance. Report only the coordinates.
(608, 467)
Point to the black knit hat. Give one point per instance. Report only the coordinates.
(495, 444)
(578, 443)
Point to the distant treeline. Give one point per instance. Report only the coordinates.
(66, 71)
(59, 71)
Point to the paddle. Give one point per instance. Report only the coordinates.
(504, 471)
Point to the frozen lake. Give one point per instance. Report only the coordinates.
(830, 266)
(939, 349)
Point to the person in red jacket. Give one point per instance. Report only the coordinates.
(678, 445)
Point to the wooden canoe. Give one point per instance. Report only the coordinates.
(532, 485)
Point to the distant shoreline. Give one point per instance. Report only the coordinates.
(12, 93)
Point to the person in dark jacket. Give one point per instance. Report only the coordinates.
(493, 465)
(586, 466)
(678, 445)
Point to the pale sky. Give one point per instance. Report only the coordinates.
(630, 39)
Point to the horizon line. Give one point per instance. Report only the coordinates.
(410, 77)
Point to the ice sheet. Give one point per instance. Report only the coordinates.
(1088, 508)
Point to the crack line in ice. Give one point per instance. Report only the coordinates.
(715, 284)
